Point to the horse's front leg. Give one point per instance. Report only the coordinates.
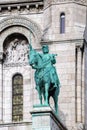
(46, 94)
(55, 97)
(56, 105)
(39, 93)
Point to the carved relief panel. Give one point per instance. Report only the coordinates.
(16, 50)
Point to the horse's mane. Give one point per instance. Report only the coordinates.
(36, 53)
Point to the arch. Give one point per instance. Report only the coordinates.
(19, 24)
(13, 36)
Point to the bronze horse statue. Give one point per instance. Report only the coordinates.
(43, 80)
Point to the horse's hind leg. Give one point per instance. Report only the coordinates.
(40, 97)
(46, 94)
(56, 105)
(55, 97)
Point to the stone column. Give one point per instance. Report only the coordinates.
(79, 88)
(85, 69)
(1, 87)
(79, 85)
(43, 118)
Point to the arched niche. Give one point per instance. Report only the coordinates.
(20, 25)
(15, 48)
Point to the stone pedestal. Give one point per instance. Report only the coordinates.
(43, 118)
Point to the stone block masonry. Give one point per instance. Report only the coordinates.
(43, 118)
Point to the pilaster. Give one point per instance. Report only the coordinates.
(79, 86)
(1, 86)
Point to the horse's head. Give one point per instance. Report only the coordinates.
(32, 57)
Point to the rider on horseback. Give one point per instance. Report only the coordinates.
(46, 78)
(48, 61)
(48, 65)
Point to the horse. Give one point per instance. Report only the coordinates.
(43, 82)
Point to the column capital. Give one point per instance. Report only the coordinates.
(1, 56)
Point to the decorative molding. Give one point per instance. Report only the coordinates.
(80, 45)
(15, 65)
(84, 2)
(22, 1)
(76, 1)
(21, 21)
(18, 5)
(49, 2)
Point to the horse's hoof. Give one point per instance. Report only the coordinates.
(46, 104)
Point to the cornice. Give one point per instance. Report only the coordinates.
(16, 1)
(17, 5)
(83, 2)
(21, 21)
(49, 2)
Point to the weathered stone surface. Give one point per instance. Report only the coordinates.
(44, 26)
(43, 118)
(16, 126)
(17, 1)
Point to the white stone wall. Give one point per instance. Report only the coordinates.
(74, 21)
(62, 44)
(66, 70)
(8, 73)
(16, 126)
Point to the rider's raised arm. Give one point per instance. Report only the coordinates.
(30, 47)
(53, 59)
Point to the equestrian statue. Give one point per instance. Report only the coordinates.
(46, 78)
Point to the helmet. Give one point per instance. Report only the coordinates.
(45, 48)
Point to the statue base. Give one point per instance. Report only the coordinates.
(44, 118)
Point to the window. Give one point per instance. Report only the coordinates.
(62, 23)
(17, 98)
